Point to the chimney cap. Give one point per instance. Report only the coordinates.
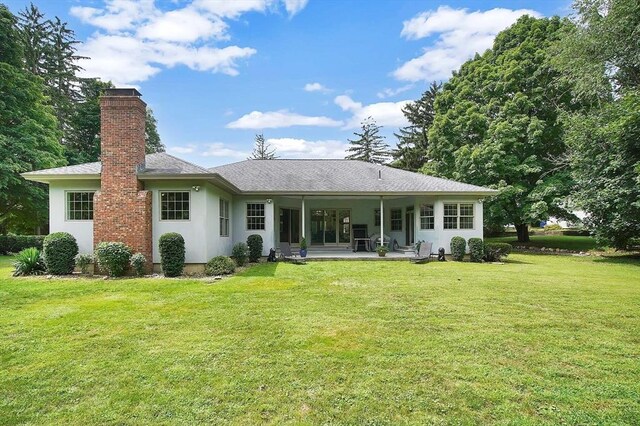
(122, 92)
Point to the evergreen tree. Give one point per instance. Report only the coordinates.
(28, 135)
(413, 140)
(262, 150)
(370, 145)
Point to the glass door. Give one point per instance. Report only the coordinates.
(317, 227)
(290, 226)
(331, 226)
(344, 226)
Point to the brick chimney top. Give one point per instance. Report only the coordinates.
(122, 92)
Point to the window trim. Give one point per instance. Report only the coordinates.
(264, 216)
(458, 215)
(432, 216)
(160, 191)
(66, 204)
(399, 218)
(224, 218)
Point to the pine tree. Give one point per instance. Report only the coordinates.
(370, 145)
(262, 150)
(413, 140)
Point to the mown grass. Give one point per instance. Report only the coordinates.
(541, 339)
(568, 242)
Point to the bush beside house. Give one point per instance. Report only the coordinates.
(59, 251)
(239, 253)
(458, 247)
(172, 254)
(476, 249)
(138, 263)
(220, 265)
(255, 247)
(28, 262)
(495, 252)
(113, 258)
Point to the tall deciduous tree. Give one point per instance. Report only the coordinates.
(262, 150)
(370, 145)
(413, 140)
(28, 134)
(601, 55)
(497, 124)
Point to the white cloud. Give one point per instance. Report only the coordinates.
(302, 148)
(136, 40)
(278, 119)
(384, 113)
(189, 149)
(460, 34)
(387, 93)
(219, 149)
(315, 87)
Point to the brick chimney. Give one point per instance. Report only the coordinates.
(122, 208)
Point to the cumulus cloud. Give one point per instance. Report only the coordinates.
(384, 113)
(278, 119)
(302, 148)
(219, 149)
(188, 149)
(460, 34)
(136, 40)
(315, 87)
(388, 93)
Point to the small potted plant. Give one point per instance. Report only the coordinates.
(382, 250)
(303, 247)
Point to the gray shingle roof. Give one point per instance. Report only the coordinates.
(330, 176)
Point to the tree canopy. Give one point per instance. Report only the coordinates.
(262, 150)
(370, 145)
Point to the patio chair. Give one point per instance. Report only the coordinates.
(287, 255)
(424, 253)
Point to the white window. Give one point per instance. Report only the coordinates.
(458, 216)
(174, 205)
(396, 219)
(426, 216)
(224, 218)
(255, 216)
(80, 205)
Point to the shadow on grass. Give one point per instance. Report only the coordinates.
(516, 262)
(261, 270)
(623, 259)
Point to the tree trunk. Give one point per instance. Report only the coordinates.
(522, 230)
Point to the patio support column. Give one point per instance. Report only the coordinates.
(304, 221)
(381, 221)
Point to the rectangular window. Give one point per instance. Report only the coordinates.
(396, 219)
(255, 216)
(458, 216)
(80, 205)
(426, 216)
(224, 218)
(174, 205)
(376, 217)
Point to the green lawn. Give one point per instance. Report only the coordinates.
(575, 243)
(541, 339)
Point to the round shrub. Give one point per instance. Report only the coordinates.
(59, 251)
(255, 247)
(172, 254)
(83, 261)
(28, 262)
(458, 247)
(495, 252)
(240, 253)
(138, 263)
(476, 249)
(113, 258)
(220, 265)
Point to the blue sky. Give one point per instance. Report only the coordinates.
(303, 72)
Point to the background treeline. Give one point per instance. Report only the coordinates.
(49, 116)
(549, 116)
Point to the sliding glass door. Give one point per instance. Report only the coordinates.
(330, 226)
(290, 226)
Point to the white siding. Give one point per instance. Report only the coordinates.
(82, 230)
(239, 222)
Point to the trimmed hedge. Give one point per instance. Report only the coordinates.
(239, 253)
(59, 251)
(138, 263)
(458, 247)
(172, 254)
(476, 249)
(17, 243)
(113, 258)
(220, 265)
(255, 247)
(495, 252)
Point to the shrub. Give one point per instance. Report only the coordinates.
(17, 243)
(172, 254)
(476, 249)
(553, 227)
(83, 261)
(255, 247)
(495, 252)
(28, 262)
(458, 247)
(138, 263)
(113, 258)
(59, 251)
(240, 253)
(220, 265)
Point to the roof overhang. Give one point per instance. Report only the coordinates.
(43, 178)
(478, 194)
